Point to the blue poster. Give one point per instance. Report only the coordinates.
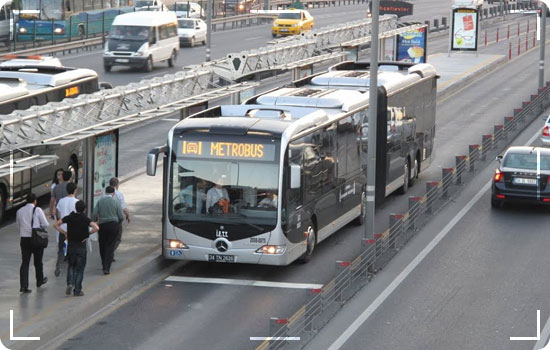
(411, 46)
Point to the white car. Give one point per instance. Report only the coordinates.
(188, 10)
(545, 137)
(191, 30)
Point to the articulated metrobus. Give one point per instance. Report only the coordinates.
(26, 82)
(266, 181)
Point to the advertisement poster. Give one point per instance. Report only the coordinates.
(105, 163)
(388, 49)
(411, 46)
(464, 29)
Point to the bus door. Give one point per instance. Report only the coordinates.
(295, 214)
(396, 157)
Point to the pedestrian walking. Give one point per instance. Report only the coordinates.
(58, 193)
(108, 214)
(114, 182)
(77, 231)
(28, 217)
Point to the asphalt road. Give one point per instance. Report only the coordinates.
(189, 315)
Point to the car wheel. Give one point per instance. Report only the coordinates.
(311, 241)
(107, 68)
(497, 204)
(149, 64)
(172, 59)
(192, 42)
(273, 35)
(360, 220)
(406, 175)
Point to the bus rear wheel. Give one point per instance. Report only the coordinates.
(311, 241)
(2, 204)
(414, 172)
(406, 175)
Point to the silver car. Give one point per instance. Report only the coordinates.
(545, 135)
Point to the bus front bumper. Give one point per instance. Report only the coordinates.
(238, 256)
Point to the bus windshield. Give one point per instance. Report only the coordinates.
(225, 183)
(49, 9)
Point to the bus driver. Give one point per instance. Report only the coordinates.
(217, 198)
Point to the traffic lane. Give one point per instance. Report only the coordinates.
(481, 285)
(174, 315)
(223, 42)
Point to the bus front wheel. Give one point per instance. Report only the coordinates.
(311, 241)
(406, 175)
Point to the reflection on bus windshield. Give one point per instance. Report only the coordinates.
(203, 188)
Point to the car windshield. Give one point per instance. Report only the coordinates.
(143, 3)
(289, 15)
(185, 23)
(527, 161)
(133, 33)
(181, 7)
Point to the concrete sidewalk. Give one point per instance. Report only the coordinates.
(47, 312)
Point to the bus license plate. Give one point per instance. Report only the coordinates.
(122, 60)
(221, 258)
(524, 181)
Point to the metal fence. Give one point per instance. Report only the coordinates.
(323, 303)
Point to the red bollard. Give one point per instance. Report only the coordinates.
(519, 45)
(498, 33)
(526, 42)
(485, 37)
(510, 52)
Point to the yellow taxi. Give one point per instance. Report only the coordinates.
(292, 22)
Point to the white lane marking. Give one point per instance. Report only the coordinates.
(274, 338)
(170, 119)
(254, 38)
(244, 282)
(341, 340)
(543, 336)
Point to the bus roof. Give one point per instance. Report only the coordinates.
(36, 77)
(145, 18)
(332, 100)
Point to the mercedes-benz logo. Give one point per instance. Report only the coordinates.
(222, 246)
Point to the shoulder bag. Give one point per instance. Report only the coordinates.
(39, 235)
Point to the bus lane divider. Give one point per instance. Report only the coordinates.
(350, 276)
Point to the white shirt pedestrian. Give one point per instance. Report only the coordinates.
(23, 219)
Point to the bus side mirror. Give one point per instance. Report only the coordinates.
(152, 160)
(295, 176)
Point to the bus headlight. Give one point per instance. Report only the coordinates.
(176, 244)
(271, 249)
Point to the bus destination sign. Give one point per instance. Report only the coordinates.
(228, 150)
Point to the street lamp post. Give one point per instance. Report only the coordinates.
(373, 108)
(542, 43)
(208, 29)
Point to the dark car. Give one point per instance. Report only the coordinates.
(522, 176)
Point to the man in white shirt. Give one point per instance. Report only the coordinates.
(114, 182)
(270, 201)
(65, 206)
(216, 193)
(27, 215)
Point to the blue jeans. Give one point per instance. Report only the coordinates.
(77, 263)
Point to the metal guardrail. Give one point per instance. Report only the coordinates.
(350, 276)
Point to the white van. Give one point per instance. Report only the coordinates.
(140, 39)
(6, 21)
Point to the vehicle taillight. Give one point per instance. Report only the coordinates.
(546, 131)
(498, 176)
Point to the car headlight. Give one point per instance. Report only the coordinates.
(22, 30)
(295, 25)
(142, 49)
(59, 31)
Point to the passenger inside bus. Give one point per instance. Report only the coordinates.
(187, 197)
(269, 201)
(217, 198)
